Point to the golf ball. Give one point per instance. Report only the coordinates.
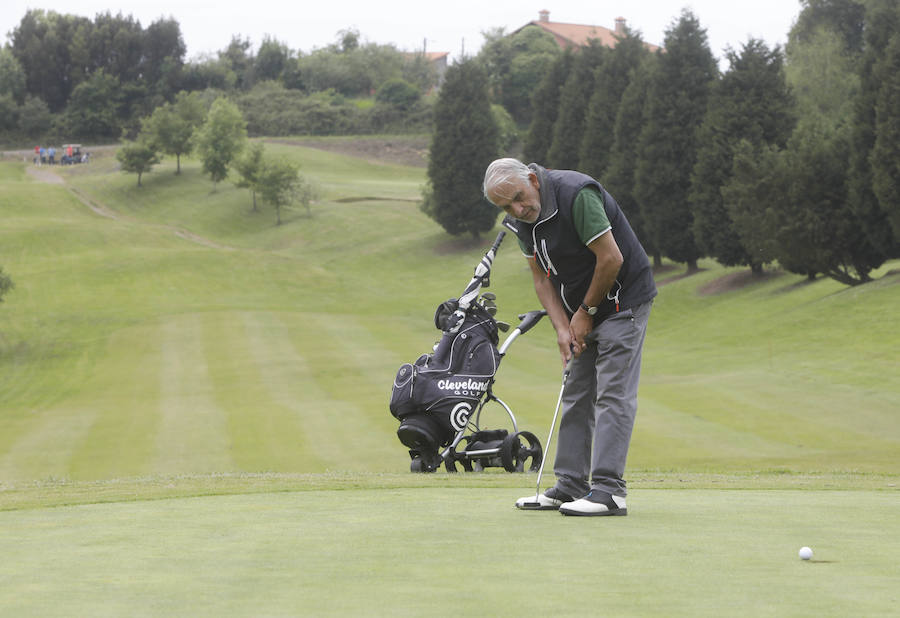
(805, 553)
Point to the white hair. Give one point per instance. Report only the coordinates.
(504, 172)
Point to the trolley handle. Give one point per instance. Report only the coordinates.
(528, 320)
(497, 241)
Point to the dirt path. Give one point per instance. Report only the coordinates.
(99, 209)
(42, 173)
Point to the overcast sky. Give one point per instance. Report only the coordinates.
(441, 26)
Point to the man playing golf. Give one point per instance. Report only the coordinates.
(594, 279)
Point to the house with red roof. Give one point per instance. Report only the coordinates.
(577, 35)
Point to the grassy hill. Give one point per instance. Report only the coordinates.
(194, 420)
(171, 330)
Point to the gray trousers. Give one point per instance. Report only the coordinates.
(599, 405)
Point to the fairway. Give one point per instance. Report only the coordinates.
(455, 551)
(194, 419)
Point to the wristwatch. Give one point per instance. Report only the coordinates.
(589, 310)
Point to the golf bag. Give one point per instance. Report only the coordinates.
(435, 397)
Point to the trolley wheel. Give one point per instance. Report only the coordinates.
(419, 464)
(518, 448)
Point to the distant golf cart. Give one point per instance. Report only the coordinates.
(72, 154)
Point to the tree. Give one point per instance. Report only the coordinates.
(462, 146)
(95, 108)
(573, 103)
(220, 139)
(545, 109)
(871, 171)
(206, 72)
(756, 171)
(515, 64)
(58, 52)
(9, 114)
(249, 168)
(398, 93)
(34, 117)
(348, 40)
(350, 67)
(676, 104)
(824, 225)
(624, 153)
(815, 228)
(885, 156)
(611, 79)
(12, 76)
(6, 284)
(43, 45)
(237, 59)
(844, 18)
(507, 132)
(163, 57)
(116, 45)
(279, 183)
(822, 76)
(751, 102)
(272, 60)
(171, 126)
(137, 157)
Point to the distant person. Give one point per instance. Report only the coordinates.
(37, 154)
(52, 154)
(43, 155)
(594, 279)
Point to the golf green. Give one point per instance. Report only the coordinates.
(456, 551)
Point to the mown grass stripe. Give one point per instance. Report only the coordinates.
(193, 435)
(42, 445)
(362, 367)
(266, 434)
(122, 391)
(283, 372)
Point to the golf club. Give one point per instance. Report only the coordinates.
(536, 504)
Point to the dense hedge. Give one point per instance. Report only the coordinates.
(272, 110)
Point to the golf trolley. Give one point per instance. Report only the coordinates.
(439, 399)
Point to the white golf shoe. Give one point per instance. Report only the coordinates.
(596, 503)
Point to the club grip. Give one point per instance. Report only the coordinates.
(497, 241)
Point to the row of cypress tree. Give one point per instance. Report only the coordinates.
(788, 156)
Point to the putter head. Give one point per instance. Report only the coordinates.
(535, 505)
(530, 506)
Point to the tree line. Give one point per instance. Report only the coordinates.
(65, 77)
(789, 156)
